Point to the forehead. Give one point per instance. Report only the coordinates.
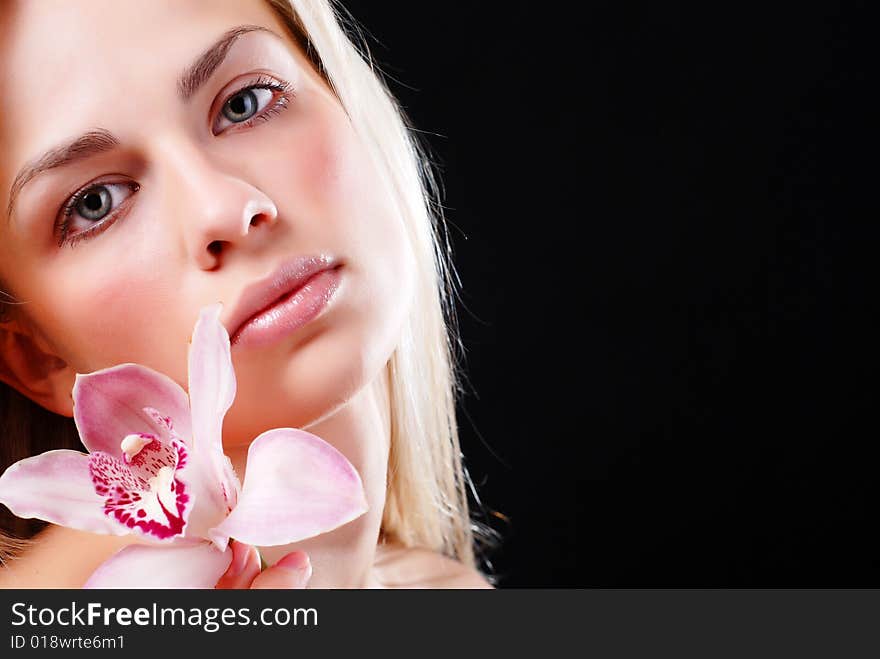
(70, 65)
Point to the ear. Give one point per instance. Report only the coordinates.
(28, 366)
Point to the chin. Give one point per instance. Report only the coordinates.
(299, 386)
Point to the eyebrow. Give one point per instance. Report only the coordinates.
(99, 140)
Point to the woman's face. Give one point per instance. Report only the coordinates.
(192, 198)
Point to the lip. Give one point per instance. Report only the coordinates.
(294, 294)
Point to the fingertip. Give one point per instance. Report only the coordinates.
(244, 567)
(295, 560)
(292, 571)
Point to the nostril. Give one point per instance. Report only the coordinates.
(215, 247)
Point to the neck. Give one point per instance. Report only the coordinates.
(361, 431)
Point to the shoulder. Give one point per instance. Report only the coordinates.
(37, 564)
(413, 567)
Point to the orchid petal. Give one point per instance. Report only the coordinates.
(177, 566)
(56, 487)
(109, 404)
(296, 486)
(211, 378)
(229, 479)
(212, 389)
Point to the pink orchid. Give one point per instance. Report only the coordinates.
(156, 468)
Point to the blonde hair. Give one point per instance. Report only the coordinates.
(427, 492)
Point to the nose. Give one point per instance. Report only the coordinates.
(217, 209)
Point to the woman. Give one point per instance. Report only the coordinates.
(162, 156)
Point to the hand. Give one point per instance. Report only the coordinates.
(291, 571)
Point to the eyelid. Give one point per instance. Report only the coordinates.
(62, 222)
(282, 90)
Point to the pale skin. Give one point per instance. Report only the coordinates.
(200, 207)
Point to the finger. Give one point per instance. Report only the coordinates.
(244, 567)
(292, 571)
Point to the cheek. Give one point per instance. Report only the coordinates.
(336, 199)
(362, 210)
(116, 312)
(332, 168)
(328, 170)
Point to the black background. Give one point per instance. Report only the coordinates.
(656, 216)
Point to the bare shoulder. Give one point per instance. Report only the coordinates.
(413, 567)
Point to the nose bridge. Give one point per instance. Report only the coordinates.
(210, 201)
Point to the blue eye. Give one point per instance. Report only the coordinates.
(93, 203)
(242, 107)
(244, 102)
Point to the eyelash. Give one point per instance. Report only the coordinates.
(286, 93)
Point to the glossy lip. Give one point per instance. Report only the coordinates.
(285, 280)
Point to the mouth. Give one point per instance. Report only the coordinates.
(294, 295)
